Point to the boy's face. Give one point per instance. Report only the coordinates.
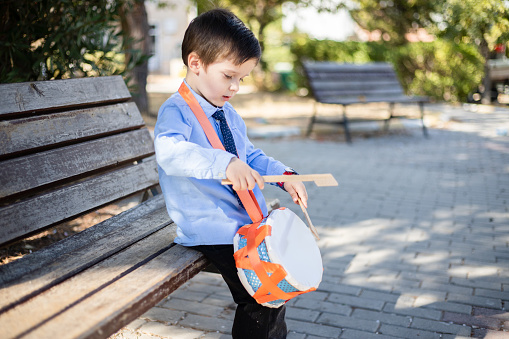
(220, 81)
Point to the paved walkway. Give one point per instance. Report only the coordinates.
(415, 240)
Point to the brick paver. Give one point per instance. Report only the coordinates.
(415, 240)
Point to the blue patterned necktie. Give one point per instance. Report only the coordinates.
(228, 142)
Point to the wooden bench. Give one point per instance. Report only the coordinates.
(68, 147)
(347, 84)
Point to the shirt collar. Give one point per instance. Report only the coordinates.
(208, 108)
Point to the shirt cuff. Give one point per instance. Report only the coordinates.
(288, 171)
(221, 165)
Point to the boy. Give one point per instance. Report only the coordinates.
(218, 51)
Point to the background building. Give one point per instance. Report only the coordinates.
(168, 24)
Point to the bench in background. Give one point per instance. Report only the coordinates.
(347, 84)
(68, 147)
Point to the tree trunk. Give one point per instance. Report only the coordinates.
(486, 81)
(135, 31)
(261, 40)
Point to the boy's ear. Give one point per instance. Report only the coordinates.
(194, 63)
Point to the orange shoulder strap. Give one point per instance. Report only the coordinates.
(247, 197)
(201, 116)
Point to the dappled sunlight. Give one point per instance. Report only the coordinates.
(499, 147)
(419, 226)
(414, 240)
(451, 184)
(462, 157)
(427, 299)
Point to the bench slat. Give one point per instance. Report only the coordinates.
(85, 257)
(387, 92)
(117, 304)
(18, 219)
(47, 256)
(340, 85)
(38, 310)
(42, 132)
(331, 67)
(35, 170)
(361, 77)
(30, 97)
(357, 100)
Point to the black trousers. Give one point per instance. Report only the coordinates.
(252, 320)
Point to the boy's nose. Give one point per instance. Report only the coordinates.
(234, 86)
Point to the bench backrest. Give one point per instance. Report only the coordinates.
(338, 83)
(68, 147)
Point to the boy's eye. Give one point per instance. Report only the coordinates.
(228, 76)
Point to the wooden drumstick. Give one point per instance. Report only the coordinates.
(319, 179)
(311, 227)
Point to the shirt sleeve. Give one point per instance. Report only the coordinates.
(257, 159)
(177, 156)
(262, 163)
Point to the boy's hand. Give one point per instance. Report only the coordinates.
(297, 190)
(242, 176)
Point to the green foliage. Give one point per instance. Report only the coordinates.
(392, 18)
(479, 23)
(441, 69)
(46, 39)
(473, 21)
(260, 16)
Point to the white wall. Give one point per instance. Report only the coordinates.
(169, 25)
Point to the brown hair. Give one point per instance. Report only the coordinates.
(218, 34)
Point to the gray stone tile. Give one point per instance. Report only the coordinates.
(163, 315)
(348, 322)
(313, 329)
(413, 311)
(205, 323)
(403, 332)
(360, 302)
(382, 317)
(169, 331)
(441, 327)
(324, 306)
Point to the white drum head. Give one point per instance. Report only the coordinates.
(292, 245)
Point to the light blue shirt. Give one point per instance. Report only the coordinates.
(190, 172)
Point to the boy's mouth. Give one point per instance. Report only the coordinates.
(226, 97)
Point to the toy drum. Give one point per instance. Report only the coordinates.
(277, 258)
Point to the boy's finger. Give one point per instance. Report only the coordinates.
(251, 182)
(259, 180)
(244, 184)
(303, 194)
(235, 187)
(304, 199)
(237, 184)
(293, 193)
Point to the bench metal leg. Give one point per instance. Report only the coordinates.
(346, 127)
(424, 129)
(312, 121)
(391, 114)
